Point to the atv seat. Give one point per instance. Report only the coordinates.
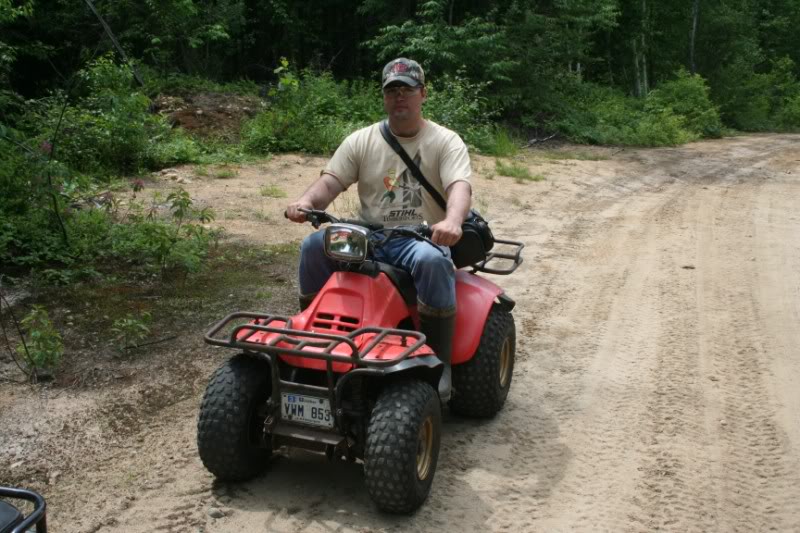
(9, 517)
(403, 280)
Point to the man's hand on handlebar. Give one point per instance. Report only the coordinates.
(446, 233)
(294, 213)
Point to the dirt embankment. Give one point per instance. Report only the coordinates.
(655, 387)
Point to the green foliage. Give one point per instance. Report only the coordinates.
(109, 130)
(599, 115)
(312, 114)
(131, 330)
(155, 244)
(477, 43)
(42, 348)
(687, 97)
(761, 101)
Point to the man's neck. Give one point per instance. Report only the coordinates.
(406, 128)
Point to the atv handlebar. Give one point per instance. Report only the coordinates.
(511, 252)
(318, 217)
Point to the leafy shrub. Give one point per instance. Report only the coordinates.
(687, 96)
(156, 244)
(109, 129)
(173, 147)
(788, 117)
(42, 348)
(130, 330)
(312, 114)
(600, 115)
(760, 101)
(458, 104)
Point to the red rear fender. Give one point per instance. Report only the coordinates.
(474, 299)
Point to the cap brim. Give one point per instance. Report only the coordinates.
(405, 80)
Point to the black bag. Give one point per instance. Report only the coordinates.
(476, 239)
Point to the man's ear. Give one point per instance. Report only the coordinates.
(424, 93)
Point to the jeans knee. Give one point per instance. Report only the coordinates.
(314, 244)
(434, 263)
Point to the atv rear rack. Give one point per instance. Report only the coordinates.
(326, 342)
(514, 255)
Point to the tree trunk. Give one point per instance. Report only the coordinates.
(695, 15)
(643, 51)
(637, 72)
(645, 81)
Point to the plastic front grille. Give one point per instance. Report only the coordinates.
(333, 322)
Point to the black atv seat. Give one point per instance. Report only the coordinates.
(9, 517)
(403, 280)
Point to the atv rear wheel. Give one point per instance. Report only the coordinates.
(482, 383)
(231, 422)
(402, 449)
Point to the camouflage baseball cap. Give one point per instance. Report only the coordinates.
(405, 71)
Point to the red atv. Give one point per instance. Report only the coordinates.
(351, 376)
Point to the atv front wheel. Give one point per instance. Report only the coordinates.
(231, 422)
(482, 383)
(403, 446)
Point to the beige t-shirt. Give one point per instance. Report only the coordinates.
(389, 193)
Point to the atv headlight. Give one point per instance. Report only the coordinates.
(346, 242)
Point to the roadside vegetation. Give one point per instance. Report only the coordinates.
(82, 127)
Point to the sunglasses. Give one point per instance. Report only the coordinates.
(394, 92)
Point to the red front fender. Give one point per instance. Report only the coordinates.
(474, 299)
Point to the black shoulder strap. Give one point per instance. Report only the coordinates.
(415, 171)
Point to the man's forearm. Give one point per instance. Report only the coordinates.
(459, 200)
(322, 192)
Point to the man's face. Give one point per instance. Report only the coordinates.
(402, 102)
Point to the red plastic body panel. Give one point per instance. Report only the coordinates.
(349, 301)
(474, 299)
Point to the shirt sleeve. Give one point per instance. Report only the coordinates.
(454, 165)
(345, 163)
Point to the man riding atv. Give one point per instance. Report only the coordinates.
(390, 195)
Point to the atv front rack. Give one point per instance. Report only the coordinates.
(310, 345)
(325, 342)
(515, 256)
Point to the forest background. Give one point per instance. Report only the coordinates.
(79, 120)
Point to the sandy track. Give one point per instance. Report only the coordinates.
(656, 386)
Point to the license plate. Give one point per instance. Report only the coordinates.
(310, 410)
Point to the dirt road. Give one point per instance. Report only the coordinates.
(656, 385)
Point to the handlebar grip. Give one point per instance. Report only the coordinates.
(424, 230)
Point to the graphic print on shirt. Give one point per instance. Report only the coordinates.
(402, 201)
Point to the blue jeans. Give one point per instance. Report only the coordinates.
(434, 274)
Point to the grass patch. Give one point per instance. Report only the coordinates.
(225, 173)
(272, 191)
(520, 173)
(579, 155)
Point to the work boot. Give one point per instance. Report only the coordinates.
(306, 299)
(438, 332)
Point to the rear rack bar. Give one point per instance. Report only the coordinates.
(308, 339)
(514, 255)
